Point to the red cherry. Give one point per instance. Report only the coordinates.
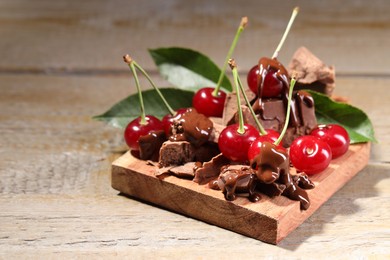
(270, 137)
(252, 78)
(235, 146)
(134, 130)
(205, 103)
(310, 154)
(335, 136)
(168, 119)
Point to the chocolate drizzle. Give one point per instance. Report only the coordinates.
(191, 126)
(267, 65)
(273, 165)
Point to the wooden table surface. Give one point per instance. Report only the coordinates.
(61, 63)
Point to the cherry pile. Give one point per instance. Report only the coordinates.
(242, 142)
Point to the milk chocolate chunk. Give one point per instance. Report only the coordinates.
(237, 179)
(312, 72)
(211, 169)
(150, 145)
(184, 171)
(176, 153)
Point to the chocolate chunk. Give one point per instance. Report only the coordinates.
(191, 126)
(273, 115)
(150, 145)
(176, 153)
(184, 171)
(272, 189)
(236, 179)
(312, 72)
(230, 108)
(303, 181)
(210, 169)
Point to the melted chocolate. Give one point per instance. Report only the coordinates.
(191, 126)
(273, 165)
(237, 179)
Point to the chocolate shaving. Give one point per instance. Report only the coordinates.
(312, 72)
(210, 169)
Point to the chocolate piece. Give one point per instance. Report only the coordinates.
(303, 181)
(210, 169)
(237, 179)
(184, 171)
(274, 114)
(272, 189)
(273, 165)
(176, 153)
(191, 126)
(312, 72)
(150, 145)
(230, 108)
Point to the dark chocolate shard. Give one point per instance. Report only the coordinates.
(210, 169)
(312, 72)
(184, 171)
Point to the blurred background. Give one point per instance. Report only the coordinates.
(82, 37)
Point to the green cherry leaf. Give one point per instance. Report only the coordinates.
(120, 114)
(353, 119)
(188, 69)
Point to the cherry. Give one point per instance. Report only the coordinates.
(335, 136)
(270, 137)
(208, 104)
(252, 78)
(272, 85)
(310, 154)
(168, 120)
(134, 130)
(234, 145)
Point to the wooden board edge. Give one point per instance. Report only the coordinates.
(211, 209)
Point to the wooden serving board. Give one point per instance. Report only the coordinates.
(269, 220)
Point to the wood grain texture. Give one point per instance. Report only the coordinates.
(61, 63)
(269, 220)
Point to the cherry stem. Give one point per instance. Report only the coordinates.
(292, 84)
(171, 111)
(293, 15)
(262, 130)
(243, 23)
(233, 66)
(130, 62)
